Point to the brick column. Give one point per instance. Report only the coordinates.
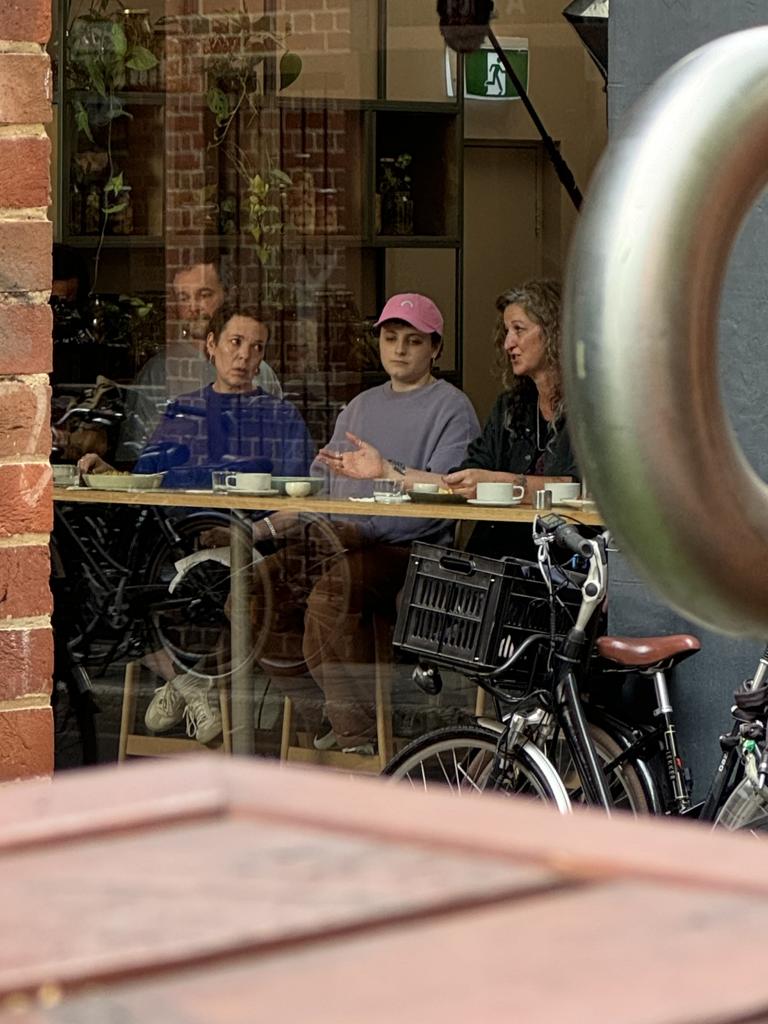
(26, 731)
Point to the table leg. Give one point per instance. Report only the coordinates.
(243, 705)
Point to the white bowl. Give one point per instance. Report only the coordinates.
(124, 481)
(298, 488)
(315, 482)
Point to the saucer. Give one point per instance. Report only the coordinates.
(496, 504)
(250, 494)
(585, 504)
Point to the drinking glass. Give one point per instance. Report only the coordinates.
(387, 490)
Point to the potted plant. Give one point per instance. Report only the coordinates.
(237, 56)
(394, 215)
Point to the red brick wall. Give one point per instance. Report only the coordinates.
(26, 733)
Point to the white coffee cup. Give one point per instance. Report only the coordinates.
(249, 481)
(426, 488)
(503, 493)
(564, 492)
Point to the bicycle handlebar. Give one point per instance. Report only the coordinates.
(566, 535)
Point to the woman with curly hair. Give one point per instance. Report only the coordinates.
(525, 439)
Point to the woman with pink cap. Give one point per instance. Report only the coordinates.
(417, 420)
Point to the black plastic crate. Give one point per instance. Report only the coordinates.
(473, 612)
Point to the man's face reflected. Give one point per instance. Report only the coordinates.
(199, 293)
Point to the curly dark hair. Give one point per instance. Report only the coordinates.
(541, 302)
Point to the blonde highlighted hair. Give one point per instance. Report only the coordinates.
(540, 301)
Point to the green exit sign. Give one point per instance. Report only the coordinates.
(484, 74)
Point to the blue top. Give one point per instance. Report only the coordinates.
(220, 430)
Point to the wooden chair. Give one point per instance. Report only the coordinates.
(306, 754)
(144, 744)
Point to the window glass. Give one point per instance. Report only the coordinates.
(237, 193)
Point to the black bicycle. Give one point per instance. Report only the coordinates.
(530, 635)
(112, 567)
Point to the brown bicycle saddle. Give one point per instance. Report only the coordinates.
(642, 651)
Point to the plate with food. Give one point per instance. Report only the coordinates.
(123, 481)
(441, 497)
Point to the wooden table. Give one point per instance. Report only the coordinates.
(321, 504)
(208, 891)
(243, 704)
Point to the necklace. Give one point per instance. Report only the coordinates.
(539, 418)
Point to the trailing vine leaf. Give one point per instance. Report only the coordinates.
(115, 184)
(119, 41)
(218, 104)
(290, 69)
(141, 59)
(96, 75)
(81, 120)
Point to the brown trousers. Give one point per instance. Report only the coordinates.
(335, 675)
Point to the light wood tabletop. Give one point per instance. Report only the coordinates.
(322, 504)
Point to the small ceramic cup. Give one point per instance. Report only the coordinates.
(298, 488)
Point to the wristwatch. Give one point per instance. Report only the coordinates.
(399, 467)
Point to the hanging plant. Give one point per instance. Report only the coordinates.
(237, 56)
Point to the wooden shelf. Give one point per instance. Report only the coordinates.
(115, 241)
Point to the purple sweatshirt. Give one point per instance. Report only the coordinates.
(428, 428)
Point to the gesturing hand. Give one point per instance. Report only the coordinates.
(363, 463)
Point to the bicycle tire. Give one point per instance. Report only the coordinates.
(746, 809)
(425, 762)
(626, 789)
(73, 709)
(191, 625)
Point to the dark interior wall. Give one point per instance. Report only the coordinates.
(645, 39)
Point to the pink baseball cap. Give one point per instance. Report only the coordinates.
(416, 310)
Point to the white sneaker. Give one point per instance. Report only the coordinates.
(202, 710)
(364, 749)
(165, 710)
(327, 741)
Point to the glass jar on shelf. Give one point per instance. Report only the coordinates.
(92, 214)
(141, 42)
(327, 211)
(402, 213)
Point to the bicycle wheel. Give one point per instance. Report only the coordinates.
(191, 624)
(746, 808)
(463, 759)
(626, 789)
(73, 705)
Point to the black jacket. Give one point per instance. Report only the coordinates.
(508, 444)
